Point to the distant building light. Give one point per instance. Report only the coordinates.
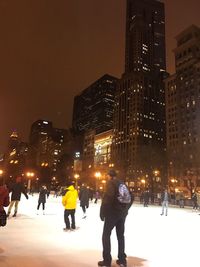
(77, 155)
(45, 122)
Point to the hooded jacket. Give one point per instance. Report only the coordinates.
(17, 189)
(4, 197)
(69, 200)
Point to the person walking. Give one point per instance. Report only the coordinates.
(69, 201)
(42, 198)
(165, 198)
(182, 200)
(84, 199)
(114, 209)
(146, 198)
(97, 196)
(194, 200)
(17, 189)
(4, 202)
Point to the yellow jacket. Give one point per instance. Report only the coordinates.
(69, 200)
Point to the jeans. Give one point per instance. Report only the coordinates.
(66, 219)
(43, 205)
(13, 202)
(109, 224)
(165, 206)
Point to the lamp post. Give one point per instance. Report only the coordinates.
(174, 182)
(76, 177)
(104, 184)
(143, 181)
(29, 175)
(97, 176)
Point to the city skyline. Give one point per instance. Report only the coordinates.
(65, 47)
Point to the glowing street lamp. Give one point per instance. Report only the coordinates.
(97, 176)
(29, 176)
(76, 177)
(1, 172)
(104, 184)
(143, 181)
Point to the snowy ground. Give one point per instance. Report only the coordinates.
(31, 240)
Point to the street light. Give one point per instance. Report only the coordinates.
(29, 175)
(97, 176)
(1, 172)
(143, 182)
(76, 177)
(104, 184)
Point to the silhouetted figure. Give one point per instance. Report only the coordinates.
(17, 189)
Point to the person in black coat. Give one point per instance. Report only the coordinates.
(194, 200)
(17, 189)
(146, 198)
(113, 213)
(84, 199)
(42, 198)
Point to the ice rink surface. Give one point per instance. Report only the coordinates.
(32, 240)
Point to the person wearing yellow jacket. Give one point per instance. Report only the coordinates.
(69, 201)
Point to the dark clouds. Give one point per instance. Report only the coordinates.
(50, 50)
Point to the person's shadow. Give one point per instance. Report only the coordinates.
(135, 262)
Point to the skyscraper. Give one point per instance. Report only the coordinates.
(93, 108)
(46, 147)
(139, 116)
(183, 110)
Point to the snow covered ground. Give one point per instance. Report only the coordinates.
(32, 240)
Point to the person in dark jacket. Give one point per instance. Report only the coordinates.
(42, 198)
(84, 199)
(17, 189)
(146, 198)
(4, 202)
(194, 200)
(113, 213)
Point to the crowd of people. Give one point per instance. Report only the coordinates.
(115, 203)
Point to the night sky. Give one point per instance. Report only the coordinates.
(50, 50)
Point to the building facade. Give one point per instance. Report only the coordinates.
(93, 108)
(139, 114)
(46, 147)
(183, 111)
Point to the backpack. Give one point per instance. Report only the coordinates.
(124, 196)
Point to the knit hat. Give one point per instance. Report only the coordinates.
(112, 173)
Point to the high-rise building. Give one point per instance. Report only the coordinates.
(16, 156)
(183, 110)
(139, 115)
(46, 147)
(13, 142)
(93, 108)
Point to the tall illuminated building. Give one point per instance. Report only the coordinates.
(93, 107)
(183, 110)
(46, 146)
(139, 115)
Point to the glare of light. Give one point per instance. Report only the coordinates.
(97, 174)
